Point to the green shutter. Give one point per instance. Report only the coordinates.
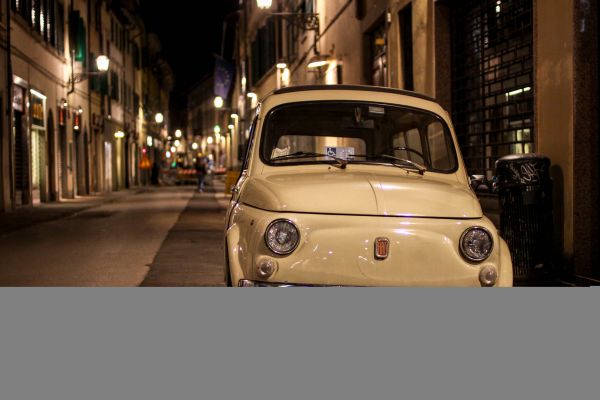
(77, 37)
(80, 49)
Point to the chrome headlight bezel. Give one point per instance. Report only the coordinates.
(278, 251)
(465, 253)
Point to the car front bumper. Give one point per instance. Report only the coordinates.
(250, 283)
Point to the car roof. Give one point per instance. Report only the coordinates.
(366, 88)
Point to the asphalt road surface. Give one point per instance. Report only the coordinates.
(167, 236)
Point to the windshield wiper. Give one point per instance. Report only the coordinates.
(408, 164)
(342, 163)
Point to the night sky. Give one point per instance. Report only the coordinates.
(190, 33)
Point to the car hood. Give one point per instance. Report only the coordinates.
(361, 193)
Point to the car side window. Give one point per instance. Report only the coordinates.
(246, 162)
(439, 147)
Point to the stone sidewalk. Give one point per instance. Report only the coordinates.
(33, 215)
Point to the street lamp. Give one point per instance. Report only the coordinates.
(218, 102)
(304, 21)
(209, 140)
(318, 61)
(159, 118)
(102, 64)
(178, 133)
(253, 99)
(264, 4)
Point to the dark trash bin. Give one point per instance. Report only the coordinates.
(526, 222)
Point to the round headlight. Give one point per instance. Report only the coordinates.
(476, 244)
(282, 237)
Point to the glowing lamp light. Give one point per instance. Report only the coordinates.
(178, 133)
(264, 4)
(119, 134)
(318, 61)
(168, 154)
(194, 146)
(234, 116)
(231, 127)
(253, 99)
(177, 143)
(173, 149)
(285, 76)
(149, 141)
(159, 118)
(218, 102)
(102, 63)
(217, 129)
(209, 140)
(281, 65)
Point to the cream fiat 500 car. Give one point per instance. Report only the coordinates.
(357, 186)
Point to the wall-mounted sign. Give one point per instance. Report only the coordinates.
(18, 98)
(38, 111)
(76, 121)
(62, 117)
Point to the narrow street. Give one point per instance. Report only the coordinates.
(163, 236)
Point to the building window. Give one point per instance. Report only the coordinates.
(361, 9)
(263, 51)
(78, 36)
(492, 80)
(135, 53)
(98, 16)
(114, 86)
(60, 27)
(44, 17)
(377, 41)
(406, 43)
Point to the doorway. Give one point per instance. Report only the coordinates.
(22, 196)
(51, 156)
(38, 165)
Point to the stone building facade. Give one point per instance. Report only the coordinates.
(72, 130)
(517, 76)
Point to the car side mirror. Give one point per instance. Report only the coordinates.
(476, 180)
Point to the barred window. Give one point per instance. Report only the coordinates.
(492, 80)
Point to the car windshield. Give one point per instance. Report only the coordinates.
(327, 132)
